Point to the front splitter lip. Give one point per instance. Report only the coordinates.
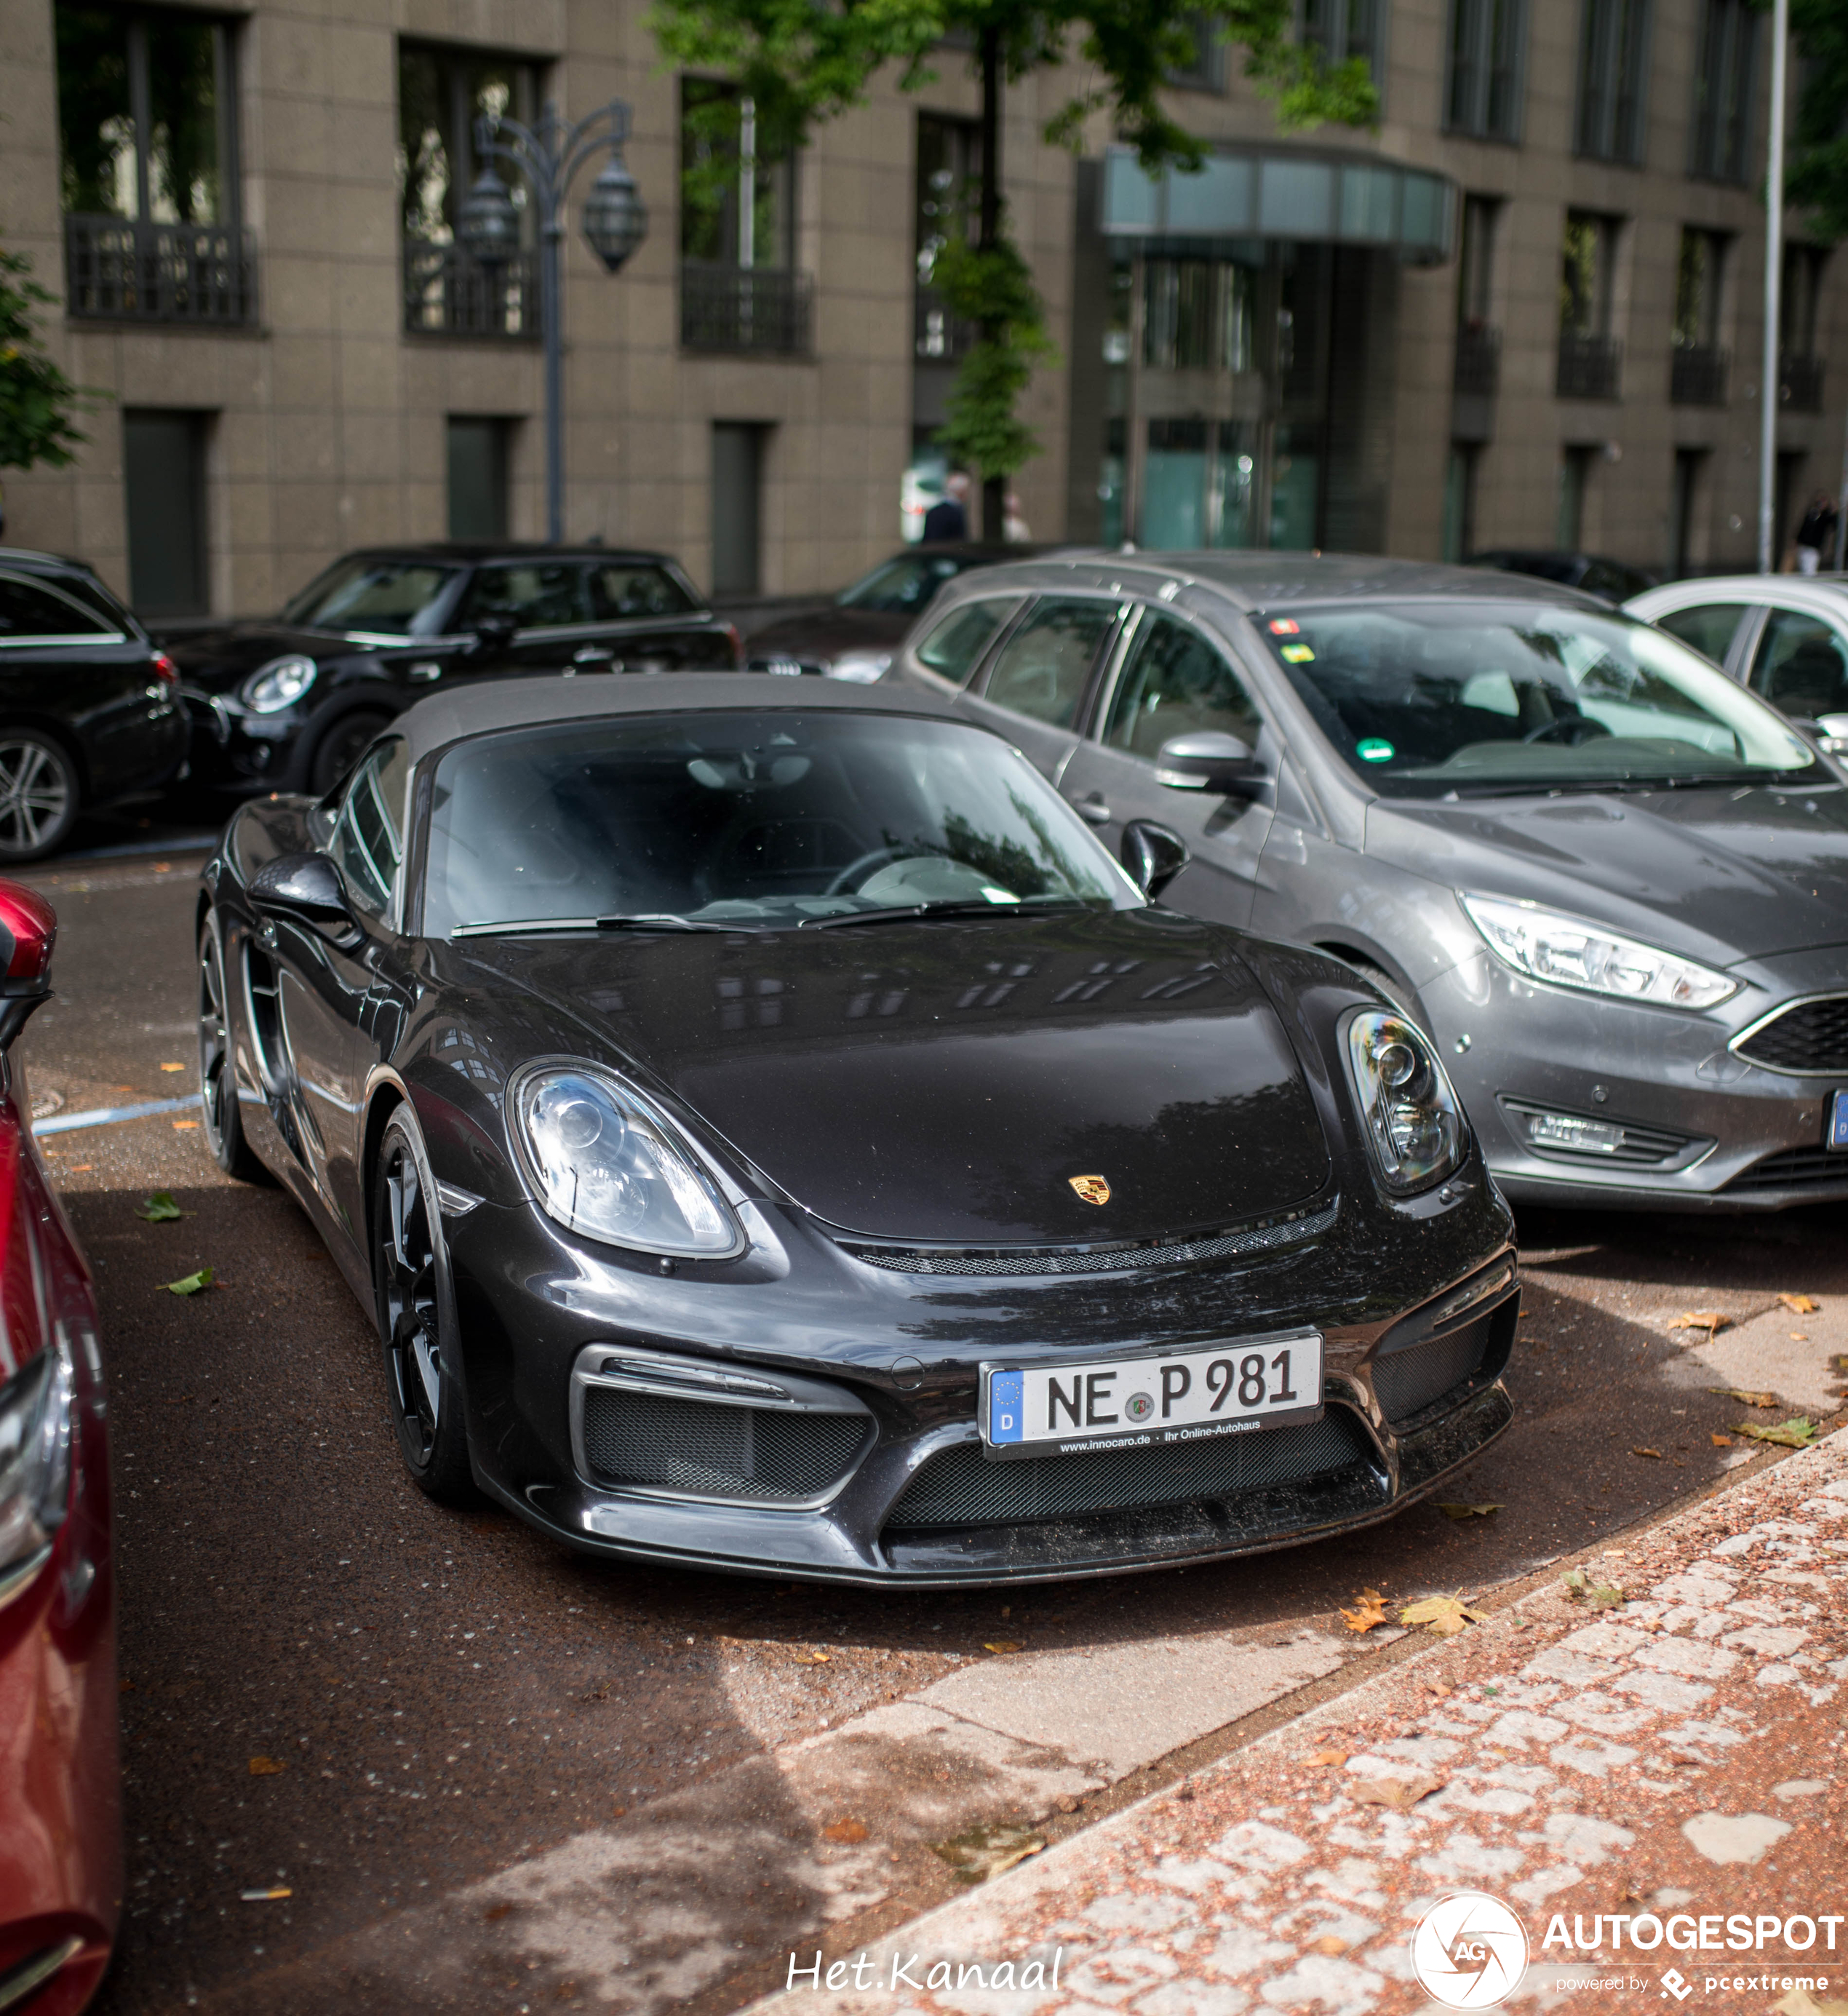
(1425, 1460)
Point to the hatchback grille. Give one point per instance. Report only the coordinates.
(1112, 1260)
(1795, 1169)
(774, 1454)
(1406, 1382)
(963, 1487)
(1811, 1037)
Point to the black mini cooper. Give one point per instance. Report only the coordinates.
(772, 1133)
(287, 703)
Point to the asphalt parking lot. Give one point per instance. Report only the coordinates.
(447, 1696)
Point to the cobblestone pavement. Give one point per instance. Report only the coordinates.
(1655, 1785)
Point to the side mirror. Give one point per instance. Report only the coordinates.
(1831, 732)
(307, 889)
(493, 631)
(1209, 760)
(28, 930)
(1153, 855)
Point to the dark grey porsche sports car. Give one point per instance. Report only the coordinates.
(773, 1135)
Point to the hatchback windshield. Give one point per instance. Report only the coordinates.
(742, 821)
(1424, 699)
(903, 586)
(373, 598)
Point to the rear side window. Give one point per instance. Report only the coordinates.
(619, 592)
(1176, 683)
(1710, 627)
(369, 836)
(1045, 666)
(32, 611)
(536, 595)
(1802, 665)
(953, 649)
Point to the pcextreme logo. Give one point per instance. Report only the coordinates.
(1469, 1951)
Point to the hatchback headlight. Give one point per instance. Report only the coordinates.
(35, 1429)
(1545, 944)
(606, 1165)
(1409, 1110)
(279, 684)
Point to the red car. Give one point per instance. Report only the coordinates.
(60, 1814)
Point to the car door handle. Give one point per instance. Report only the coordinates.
(1093, 809)
(593, 654)
(425, 673)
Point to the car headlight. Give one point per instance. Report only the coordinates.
(606, 1165)
(279, 684)
(1412, 1119)
(1567, 952)
(865, 668)
(35, 1429)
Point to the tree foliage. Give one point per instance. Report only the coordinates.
(805, 62)
(37, 401)
(1817, 170)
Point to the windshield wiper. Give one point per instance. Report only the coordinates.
(510, 926)
(667, 921)
(960, 906)
(657, 920)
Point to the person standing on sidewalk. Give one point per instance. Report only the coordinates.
(948, 519)
(1816, 535)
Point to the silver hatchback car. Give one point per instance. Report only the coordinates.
(1612, 882)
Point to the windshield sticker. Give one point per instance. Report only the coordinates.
(1295, 654)
(1285, 626)
(1374, 750)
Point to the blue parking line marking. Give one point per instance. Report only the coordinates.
(106, 1116)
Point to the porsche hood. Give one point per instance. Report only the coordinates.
(1094, 1079)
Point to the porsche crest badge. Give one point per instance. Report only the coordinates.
(1093, 1190)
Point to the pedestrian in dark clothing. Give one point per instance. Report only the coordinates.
(1816, 535)
(948, 519)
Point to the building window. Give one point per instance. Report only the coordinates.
(738, 506)
(441, 92)
(1613, 38)
(1205, 68)
(478, 476)
(1722, 91)
(948, 177)
(739, 287)
(1346, 30)
(1478, 341)
(1460, 501)
(1575, 480)
(1483, 96)
(1682, 507)
(164, 478)
(1700, 366)
(1799, 367)
(148, 168)
(1590, 357)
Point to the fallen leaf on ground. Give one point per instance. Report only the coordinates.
(1400, 1793)
(191, 1284)
(173, 1068)
(184, 1126)
(1437, 1687)
(1800, 1336)
(266, 1767)
(844, 1830)
(1327, 1760)
(159, 1208)
(1330, 1944)
(1710, 1320)
(1796, 1434)
(1445, 1615)
(1001, 1645)
(1468, 1511)
(1722, 1442)
(1370, 1609)
(1638, 1450)
(1600, 1596)
(812, 1658)
(1745, 1398)
(1800, 1305)
(983, 1852)
(1800, 2002)
(270, 1896)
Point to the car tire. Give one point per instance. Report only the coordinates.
(220, 1114)
(417, 1316)
(1402, 997)
(341, 746)
(41, 794)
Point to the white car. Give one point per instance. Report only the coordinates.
(1784, 636)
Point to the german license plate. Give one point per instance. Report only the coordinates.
(1150, 1400)
(1838, 1120)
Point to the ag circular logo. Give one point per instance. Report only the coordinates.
(1469, 1951)
(1139, 1406)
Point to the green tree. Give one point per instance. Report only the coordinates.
(37, 401)
(803, 62)
(1816, 175)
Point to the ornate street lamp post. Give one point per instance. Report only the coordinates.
(614, 222)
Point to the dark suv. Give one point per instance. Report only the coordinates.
(287, 704)
(89, 711)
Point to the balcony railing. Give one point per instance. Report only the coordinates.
(1799, 384)
(938, 337)
(760, 310)
(448, 292)
(117, 270)
(1698, 376)
(1590, 367)
(1479, 360)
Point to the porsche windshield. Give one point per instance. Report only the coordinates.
(1429, 698)
(369, 597)
(749, 821)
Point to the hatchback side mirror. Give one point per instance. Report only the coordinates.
(1153, 855)
(1831, 732)
(1209, 760)
(307, 889)
(28, 929)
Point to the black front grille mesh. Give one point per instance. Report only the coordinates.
(1115, 1260)
(1408, 1381)
(1795, 1169)
(1811, 1038)
(963, 1487)
(768, 1453)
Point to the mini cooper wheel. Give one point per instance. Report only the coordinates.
(39, 794)
(417, 1316)
(341, 748)
(219, 1112)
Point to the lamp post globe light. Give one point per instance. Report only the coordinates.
(549, 154)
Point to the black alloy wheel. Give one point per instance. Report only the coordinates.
(40, 797)
(417, 1316)
(222, 1119)
(341, 748)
